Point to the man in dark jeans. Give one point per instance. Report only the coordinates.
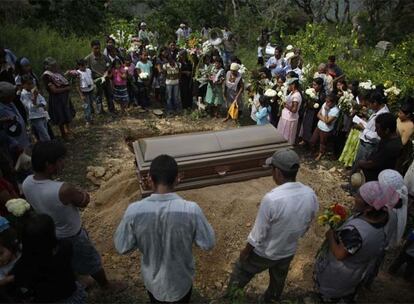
(388, 151)
(99, 64)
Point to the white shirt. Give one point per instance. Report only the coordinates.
(369, 135)
(85, 80)
(284, 216)
(280, 64)
(163, 228)
(333, 112)
(34, 111)
(43, 196)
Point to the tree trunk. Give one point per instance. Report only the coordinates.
(233, 2)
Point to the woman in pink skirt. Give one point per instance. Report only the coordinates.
(288, 123)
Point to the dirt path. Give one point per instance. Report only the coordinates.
(230, 208)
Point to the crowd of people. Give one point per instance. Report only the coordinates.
(45, 253)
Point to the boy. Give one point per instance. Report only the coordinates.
(144, 71)
(35, 105)
(85, 89)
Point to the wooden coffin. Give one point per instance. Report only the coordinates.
(211, 158)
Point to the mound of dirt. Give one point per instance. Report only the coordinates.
(231, 209)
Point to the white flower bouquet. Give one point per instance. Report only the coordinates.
(346, 101)
(143, 76)
(270, 93)
(311, 93)
(242, 69)
(367, 85)
(17, 206)
(392, 91)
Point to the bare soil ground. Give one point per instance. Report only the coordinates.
(230, 208)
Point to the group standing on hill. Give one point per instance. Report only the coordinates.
(46, 251)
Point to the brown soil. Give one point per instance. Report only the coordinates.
(230, 208)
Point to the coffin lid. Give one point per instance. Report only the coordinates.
(209, 142)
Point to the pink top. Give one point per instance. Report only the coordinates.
(116, 76)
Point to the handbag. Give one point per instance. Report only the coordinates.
(234, 110)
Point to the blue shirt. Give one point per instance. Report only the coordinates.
(163, 227)
(263, 115)
(21, 141)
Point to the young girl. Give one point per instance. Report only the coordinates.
(327, 116)
(23, 67)
(262, 113)
(214, 95)
(85, 89)
(144, 71)
(405, 128)
(45, 267)
(119, 83)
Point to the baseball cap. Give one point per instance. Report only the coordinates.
(285, 159)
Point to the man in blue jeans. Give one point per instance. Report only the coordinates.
(172, 70)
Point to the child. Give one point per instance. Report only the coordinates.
(130, 68)
(172, 71)
(327, 116)
(85, 89)
(45, 268)
(35, 105)
(262, 113)
(214, 95)
(144, 70)
(119, 83)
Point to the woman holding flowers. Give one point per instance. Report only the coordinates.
(233, 89)
(340, 268)
(214, 95)
(288, 122)
(315, 98)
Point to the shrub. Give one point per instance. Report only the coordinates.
(37, 44)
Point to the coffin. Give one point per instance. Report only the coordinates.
(211, 158)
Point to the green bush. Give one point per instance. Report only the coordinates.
(317, 42)
(37, 44)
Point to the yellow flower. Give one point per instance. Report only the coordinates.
(323, 219)
(335, 219)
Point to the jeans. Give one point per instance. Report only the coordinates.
(244, 271)
(40, 125)
(173, 98)
(101, 90)
(88, 105)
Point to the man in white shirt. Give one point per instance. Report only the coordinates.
(369, 138)
(277, 64)
(163, 227)
(284, 216)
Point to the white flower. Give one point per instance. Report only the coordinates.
(392, 90)
(316, 105)
(367, 85)
(280, 93)
(242, 69)
(17, 206)
(270, 93)
(143, 75)
(311, 93)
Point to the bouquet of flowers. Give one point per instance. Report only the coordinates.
(367, 85)
(242, 69)
(346, 102)
(143, 76)
(334, 216)
(313, 98)
(17, 206)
